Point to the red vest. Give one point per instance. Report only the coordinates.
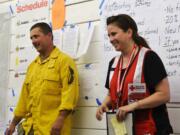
(143, 120)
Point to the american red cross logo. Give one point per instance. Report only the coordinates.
(132, 88)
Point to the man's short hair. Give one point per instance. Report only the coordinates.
(45, 28)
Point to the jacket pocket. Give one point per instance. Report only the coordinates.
(51, 84)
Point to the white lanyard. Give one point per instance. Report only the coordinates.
(121, 81)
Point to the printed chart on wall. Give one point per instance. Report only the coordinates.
(25, 16)
(159, 22)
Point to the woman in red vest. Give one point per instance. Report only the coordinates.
(137, 80)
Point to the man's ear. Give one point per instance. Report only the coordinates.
(50, 34)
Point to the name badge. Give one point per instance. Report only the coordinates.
(136, 91)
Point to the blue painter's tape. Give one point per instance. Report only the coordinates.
(98, 102)
(12, 12)
(100, 13)
(72, 26)
(65, 22)
(89, 25)
(101, 4)
(50, 24)
(13, 93)
(62, 29)
(11, 109)
(88, 66)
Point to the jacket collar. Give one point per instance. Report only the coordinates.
(53, 55)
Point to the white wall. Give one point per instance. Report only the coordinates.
(81, 13)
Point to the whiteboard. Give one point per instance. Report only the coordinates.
(159, 23)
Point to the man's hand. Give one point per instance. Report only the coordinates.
(10, 130)
(58, 124)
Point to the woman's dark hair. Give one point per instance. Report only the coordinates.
(125, 22)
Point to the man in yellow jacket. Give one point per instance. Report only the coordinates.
(50, 90)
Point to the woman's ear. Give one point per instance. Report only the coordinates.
(130, 32)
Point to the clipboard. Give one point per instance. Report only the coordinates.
(128, 123)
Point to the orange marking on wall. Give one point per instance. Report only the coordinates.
(58, 14)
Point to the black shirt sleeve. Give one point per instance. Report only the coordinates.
(108, 73)
(154, 70)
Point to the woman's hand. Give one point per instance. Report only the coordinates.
(101, 109)
(124, 110)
